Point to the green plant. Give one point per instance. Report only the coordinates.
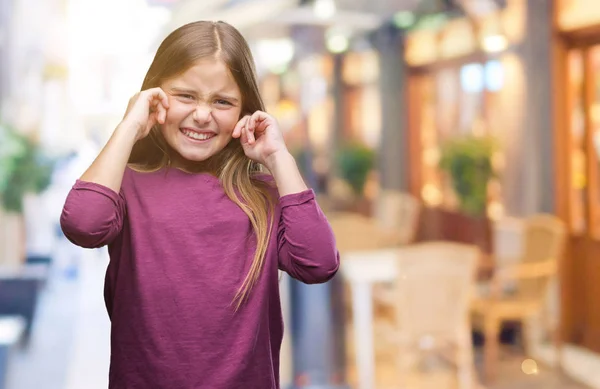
(354, 162)
(24, 168)
(468, 162)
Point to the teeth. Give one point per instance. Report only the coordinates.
(195, 135)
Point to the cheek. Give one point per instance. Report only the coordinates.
(226, 120)
(177, 112)
(174, 117)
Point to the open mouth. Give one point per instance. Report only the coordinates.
(196, 135)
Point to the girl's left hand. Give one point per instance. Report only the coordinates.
(261, 137)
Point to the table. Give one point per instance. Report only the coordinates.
(361, 269)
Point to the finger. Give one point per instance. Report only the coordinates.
(164, 98)
(152, 119)
(252, 126)
(250, 130)
(157, 94)
(249, 133)
(164, 117)
(161, 114)
(244, 135)
(258, 118)
(161, 95)
(247, 128)
(237, 130)
(154, 109)
(160, 110)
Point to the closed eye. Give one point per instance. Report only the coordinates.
(186, 96)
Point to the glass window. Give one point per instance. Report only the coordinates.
(494, 76)
(594, 140)
(471, 78)
(578, 170)
(454, 103)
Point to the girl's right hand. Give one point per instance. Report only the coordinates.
(145, 110)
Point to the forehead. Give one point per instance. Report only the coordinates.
(209, 75)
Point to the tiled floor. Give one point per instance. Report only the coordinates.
(69, 349)
(511, 373)
(510, 376)
(44, 363)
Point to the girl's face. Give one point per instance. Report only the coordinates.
(205, 104)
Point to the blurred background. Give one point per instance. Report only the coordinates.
(454, 145)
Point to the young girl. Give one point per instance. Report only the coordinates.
(196, 233)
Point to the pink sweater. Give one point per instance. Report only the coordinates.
(179, 250)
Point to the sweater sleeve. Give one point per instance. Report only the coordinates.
(92, 215)
(306, 243)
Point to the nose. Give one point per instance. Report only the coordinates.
(202, 113)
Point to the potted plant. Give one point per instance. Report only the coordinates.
(354, 162)
(24, 169)
(468, 162)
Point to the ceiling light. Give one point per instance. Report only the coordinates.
(275, 54)
(324, 9)
(337, 42)
(495, 43)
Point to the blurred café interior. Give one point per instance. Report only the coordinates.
(453, 144)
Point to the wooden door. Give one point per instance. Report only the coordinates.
(581, 144)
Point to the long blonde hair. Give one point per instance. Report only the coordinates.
(237, 173)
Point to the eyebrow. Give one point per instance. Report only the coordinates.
(194, 93)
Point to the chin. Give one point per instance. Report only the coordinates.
(198, 153)
(195, 155)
